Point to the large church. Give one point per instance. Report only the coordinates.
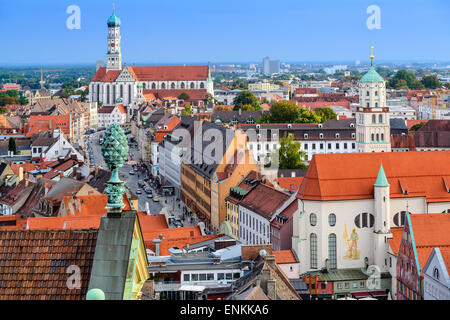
(118, 83)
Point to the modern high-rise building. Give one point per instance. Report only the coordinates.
(271, 66)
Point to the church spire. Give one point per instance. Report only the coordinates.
(371, 56)
(381, 178)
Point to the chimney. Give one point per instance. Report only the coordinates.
(50, 124)
(157, 243)
(270, 259)
(20, 174)
(271, 292)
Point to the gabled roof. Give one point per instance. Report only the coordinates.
(34, 263)
(284, 256)
(256, 200)
(396, 239)
(351, 176)
(429, 230)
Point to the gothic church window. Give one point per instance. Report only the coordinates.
(192, 85)
(202, 86)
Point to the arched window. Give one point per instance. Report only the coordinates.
(376, 93)
(436, 273)
(145, 86)
(107, 94)
(446, 211)
(382, 137)
(163, 86)
(332, 219)
(367, 93)
(202, 85)
(153, 86)
(399, 218)
(332, 251)
(182, 85)
(313, 219)
(373, 137)
(380, 118)
(172, 86)
(313, 250)
(192, 85)
(376, 104)
(129, 93)
(378, 137)
(374, 119)
(98, 92)
(121, 91)
(364, 220)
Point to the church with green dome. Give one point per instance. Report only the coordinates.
(372, 116)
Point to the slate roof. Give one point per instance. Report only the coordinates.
(227, 116)
(98, 181)
(34, 263)
(112, 254)
(222, 143)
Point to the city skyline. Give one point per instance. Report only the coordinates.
(309, 33)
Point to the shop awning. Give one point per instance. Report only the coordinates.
(361, 294)
(378, 293)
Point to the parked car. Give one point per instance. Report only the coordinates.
(156, 200)
(138, 191)
(131, 173)
(149, 196)
(141, 183)
(148, 190)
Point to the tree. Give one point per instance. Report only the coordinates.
(417, 126)
(325, 114)
(184, 96)
(187, 110)
(290, 155)
(248, 107)
(3, 110)
(431, 82)
(23, 100)
(12, 145)
(289, 112)
(404, 79)
(210, 99)
(246, 97)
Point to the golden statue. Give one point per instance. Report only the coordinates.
(352, 243)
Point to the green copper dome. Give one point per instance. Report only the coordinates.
(372, 76)
(113, 21)
(139, 85)
(95, 294)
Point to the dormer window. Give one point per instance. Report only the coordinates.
(320, 135)
(337, 135)
(305, 136)
(258, 126)
(320, 125)
(289, 126)
(353, 135)
(352, 125)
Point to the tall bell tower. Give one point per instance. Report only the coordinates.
(373, 131)
(114, 55)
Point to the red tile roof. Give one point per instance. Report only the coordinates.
(60, 223)
(168, 73)
(174, 237)
(102, 76)
(256, 200)
(89, 205)
(42, 123)
(174, 94)
(34, 264)
(396, 239)
(352, 176)
(284, 256)
(430, 230)
(153, 222)
(288, 182)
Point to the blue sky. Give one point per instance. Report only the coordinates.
(198, 31)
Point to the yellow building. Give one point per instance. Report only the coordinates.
(266, 86)
(204, 187)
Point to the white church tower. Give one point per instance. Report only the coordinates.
(114, 55)
(373, 130)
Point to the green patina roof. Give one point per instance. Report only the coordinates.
(95, 294)
(372, 76)
(113, 21)
(139, 85)
(239, 191)
(381, 179)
